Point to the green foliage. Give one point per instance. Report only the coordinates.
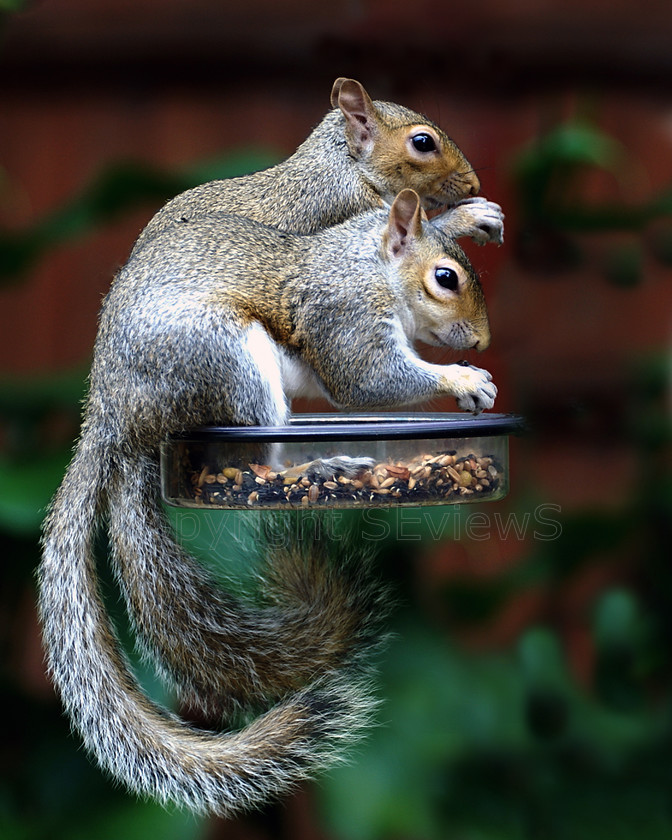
(549, 168)
(30, 468)
(549, 174)
(554, 217)
(7, 6)
(494, 745)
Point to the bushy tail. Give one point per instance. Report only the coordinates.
(151, 750)
(322, 614)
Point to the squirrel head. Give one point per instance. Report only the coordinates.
(445, 300)
(397, 148)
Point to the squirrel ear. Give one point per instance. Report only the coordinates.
(405, 223)
(338, 84)
(358, 110)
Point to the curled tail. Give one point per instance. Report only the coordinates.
(322, 614)
(143, 745)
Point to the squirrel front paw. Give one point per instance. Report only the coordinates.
(476, 217)
(472, 387)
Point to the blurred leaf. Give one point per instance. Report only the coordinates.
(562, 152)
(229, 165)
(573, 143)
(548, 173)
(12, 5)
(122, 818)
(662, 205)
(541, 658)
(616, 617)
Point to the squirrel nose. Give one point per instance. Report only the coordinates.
(474, 183)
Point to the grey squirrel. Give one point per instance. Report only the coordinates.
(357, 159)
(220, 321)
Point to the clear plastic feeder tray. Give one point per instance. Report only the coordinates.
(414, 459)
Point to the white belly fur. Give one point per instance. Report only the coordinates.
(286, 376)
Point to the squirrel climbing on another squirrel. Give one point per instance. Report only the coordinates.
(357, 159)
(220, 321)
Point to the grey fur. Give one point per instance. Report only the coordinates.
(339, 171)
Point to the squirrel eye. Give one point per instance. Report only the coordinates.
(424, 143)
(447, 278)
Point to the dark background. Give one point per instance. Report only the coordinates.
(529, 686)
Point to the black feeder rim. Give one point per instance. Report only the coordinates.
(378, 426)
